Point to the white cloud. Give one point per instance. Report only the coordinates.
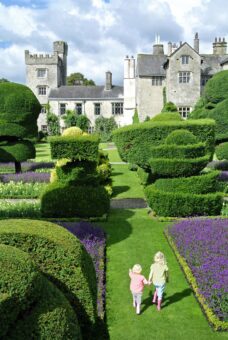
(100, 34)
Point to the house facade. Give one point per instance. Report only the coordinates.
(178, 76)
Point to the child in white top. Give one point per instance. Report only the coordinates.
(158, 276)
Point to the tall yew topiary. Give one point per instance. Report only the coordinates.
(19, 110)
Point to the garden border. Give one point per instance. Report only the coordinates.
(217, 324)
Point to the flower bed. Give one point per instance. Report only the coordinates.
(26, 177)
(19, 208)
(93, 238)
(21, 190)
(26, 166)
(201, 248)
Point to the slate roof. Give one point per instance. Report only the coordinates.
(150, 65)
(86, 92)
(211, 63)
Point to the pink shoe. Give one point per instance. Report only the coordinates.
(154, 297)
(159, 305)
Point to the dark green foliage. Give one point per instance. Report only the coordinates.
(17, 151)
(144, 176)
(182, 151)
(176, 167)
(4, 80)
(18, 106)
(216, 89)
(200, 113)
(76, 148)
(220, 115)
(133, 167)
(62, 258)
(181, 137)
(166, 116)
(176, 204)
(135, 117)
(79, 79)
(221, 151)
(61, 200)
(73, 119)
(53, 124)
(135, 149)
(147, 119)
(169, 107)
(105, 126)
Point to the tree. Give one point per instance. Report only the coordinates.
(73, 119)
(3, 80)
(169, 107)
(19, 110)
(105, 126)
(79, 79)
(135, 118)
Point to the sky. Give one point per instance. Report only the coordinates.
(100, 33)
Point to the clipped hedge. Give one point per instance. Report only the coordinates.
(166, 116)
(144, 176)
(216, 89)
(135, 149)
(181, 137)
(220, 115)
(17, 151)
(176, 167)
(82, 200)
(179, 204)
(221, 151)
(75, 148)
(62, 258)
(180, 151)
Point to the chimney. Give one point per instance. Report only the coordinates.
(108, 82)
(132, 68)
(169, 48)
(219, 46)
(126, 67)
(158, 47)
(196, 43)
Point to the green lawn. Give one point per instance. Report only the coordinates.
(43, 152)
(134, 238)
(125, 182)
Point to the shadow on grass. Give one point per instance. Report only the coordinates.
(167, 300)
(119, 189)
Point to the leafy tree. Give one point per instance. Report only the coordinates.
(169, 107)
(3, 80)
(105, 126)
(19, 110)
(73, 119)
(79, 79)
(53, 124)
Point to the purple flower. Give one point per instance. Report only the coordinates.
(26, 177)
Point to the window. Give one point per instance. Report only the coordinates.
(157, 81)
(62, 108)
(44, 128)
(90, 129)
(184, 77)
(41, 73)
(78, 108)
(185, 59)
(42, 90)
(43, 110)
(97, 109)
(204, 80)
(184, 111)
(117, 108)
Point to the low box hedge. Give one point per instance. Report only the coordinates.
(62, 200)
(144, 177)
(181, 204)
(134, 141)
(175, 167)
(178, 151)
(75, 148)
(62, 259)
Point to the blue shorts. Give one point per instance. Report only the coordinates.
(160, 290)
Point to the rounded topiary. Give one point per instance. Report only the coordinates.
(181, 137)
(17, 151)
(216, 89)
(64, 261)
(73, 131)
(220, 115)
(221, 151)
(166, 116)
(169, 107)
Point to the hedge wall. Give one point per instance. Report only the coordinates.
(165, 116)
(182, 151)
(216, 88)
(81, 200)
(135, 149)
(221, 151)
(64, 261)
(75, 148)
(17, 151)
(30, 306)
(220, 115)
(176, 167)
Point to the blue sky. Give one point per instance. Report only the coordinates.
(100, 33)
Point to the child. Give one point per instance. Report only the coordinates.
(158, 276)
(136, 286)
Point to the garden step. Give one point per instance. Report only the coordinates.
(118, 163)
(128, 203)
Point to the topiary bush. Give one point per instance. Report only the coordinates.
(30, 305)
(221, 151)
(63, 260)
(220, 115)
(18, 151)
(181, 137)
(216, 89)
(166, 116)
(72, 131)
(182, 151)
(169, 107)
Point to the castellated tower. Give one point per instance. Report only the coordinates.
(45, 72)
(129, 86)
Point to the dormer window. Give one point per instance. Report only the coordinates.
(185, 59)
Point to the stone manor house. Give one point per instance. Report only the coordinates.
(178, 76)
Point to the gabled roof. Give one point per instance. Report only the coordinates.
(86, 92)
(224, 61)
(150, 65)
(185, 43)
(211, 63)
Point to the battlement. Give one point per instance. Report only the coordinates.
(34, 59)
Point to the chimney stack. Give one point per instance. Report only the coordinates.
(219, 46)
(169, 48)
(196, 43)
(108, 82)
